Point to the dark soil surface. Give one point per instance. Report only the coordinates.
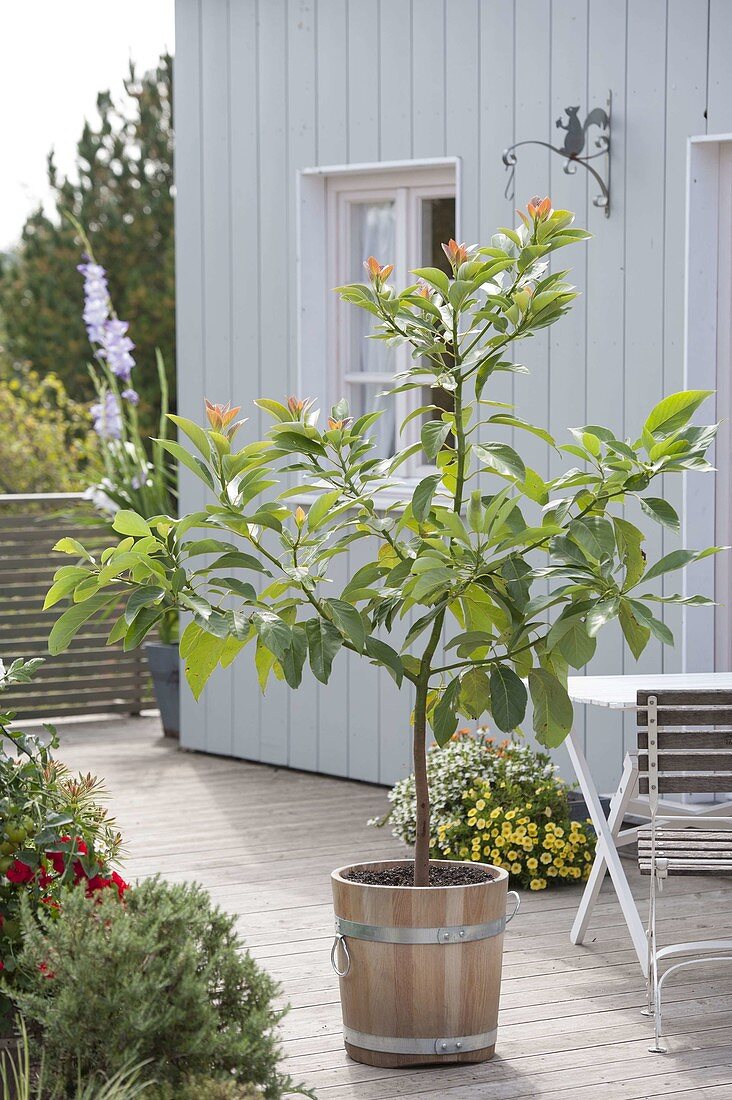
(452, 874)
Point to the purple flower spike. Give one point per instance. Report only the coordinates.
(117, 348)
(108, 333)
(132, 396)
(107, 417)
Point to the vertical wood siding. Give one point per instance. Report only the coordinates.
(266, 87)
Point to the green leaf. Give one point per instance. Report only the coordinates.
(72, 546)
(629, 539)
(553, 712)
(475, 692)
(435, 278)
(129, 523)
(68, 625)
(274, 408)
(63, 585)
(348, 620)
(476, 513)
(518, 422)
(384, 654)
(508, 698)
(661, 511)
(677, 559)
(602, 613)
(145, 619)
(196, 435)
(501, 458)
(594, 535)
(147, 596)
(422, 497)
(201, 660)
(645, 617)
(187, 459)
(273, 632)
(636, 636)
(324, 641)
(433, 435)
(294, 660)
(318, 512)
(444, 717)
(570, 637)
(675, 411)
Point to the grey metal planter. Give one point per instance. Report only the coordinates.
(162, 659)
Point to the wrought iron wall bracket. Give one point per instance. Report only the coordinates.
(573, 149)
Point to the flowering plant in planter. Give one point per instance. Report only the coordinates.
(500, 802)
(514, 575)
(132, 478)
(53, 832)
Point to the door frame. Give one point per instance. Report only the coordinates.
(707, 510)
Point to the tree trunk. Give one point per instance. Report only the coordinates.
(421, 787)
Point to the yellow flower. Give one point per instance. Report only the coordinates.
(546, 857)
(480, 804)
(464, 852)
(527, 844)
(495, 855)
(512, 855)
(480, 823)
(537, 884)
(495, 813)
(500, 841)
(487, 850)
(511, 814)
(552, 872)
(516, 868)
(532, 829)
(558, 831)
(532, 863)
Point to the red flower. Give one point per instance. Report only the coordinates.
(2, 965)
(46, 970)
(120, 883)
(97, 882)
(56, 859)
(19, 872)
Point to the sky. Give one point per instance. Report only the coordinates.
(55, 56)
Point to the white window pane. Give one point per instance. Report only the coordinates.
(364, 398)
(372, 233)
(438, 226)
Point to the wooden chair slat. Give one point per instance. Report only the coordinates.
(688, 716)
(691, 867)
(687, 696)
(710, 763)
(688, 739)
(700, 783)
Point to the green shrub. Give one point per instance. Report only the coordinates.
(205, 1088)
(161, 977)
(500, 803)
(53, 832)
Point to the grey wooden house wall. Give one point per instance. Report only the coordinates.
(266, 87)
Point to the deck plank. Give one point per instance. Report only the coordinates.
(264, 840)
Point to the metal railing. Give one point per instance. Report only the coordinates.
(91, 677)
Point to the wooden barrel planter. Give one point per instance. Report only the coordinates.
(419, 968)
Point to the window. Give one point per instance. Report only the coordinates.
(400, 217)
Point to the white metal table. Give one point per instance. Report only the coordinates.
(620, 693)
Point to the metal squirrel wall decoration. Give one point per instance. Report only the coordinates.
(575, 139)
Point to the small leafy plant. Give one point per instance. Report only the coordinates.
(470, 551)
(497, 802)
(54, 833)
(161, 978)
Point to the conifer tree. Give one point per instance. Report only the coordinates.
(122, 195)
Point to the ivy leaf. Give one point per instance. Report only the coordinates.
(475, 692)
(324, 641)
(508, 698)
(553, 712)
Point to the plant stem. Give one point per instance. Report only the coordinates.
(419, 757)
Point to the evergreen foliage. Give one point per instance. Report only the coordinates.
(123, 197)
(161, 978)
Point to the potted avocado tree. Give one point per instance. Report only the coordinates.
(509, 575)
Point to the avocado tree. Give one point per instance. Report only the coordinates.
(514, 574)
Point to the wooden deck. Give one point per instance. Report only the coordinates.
(263, 841)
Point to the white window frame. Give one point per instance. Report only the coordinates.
(324, 195)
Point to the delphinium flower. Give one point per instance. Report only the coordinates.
(105, 331)
(107, 417)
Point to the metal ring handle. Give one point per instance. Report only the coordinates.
(516, 895)
(340, 941)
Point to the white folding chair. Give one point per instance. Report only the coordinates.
(684, 747)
